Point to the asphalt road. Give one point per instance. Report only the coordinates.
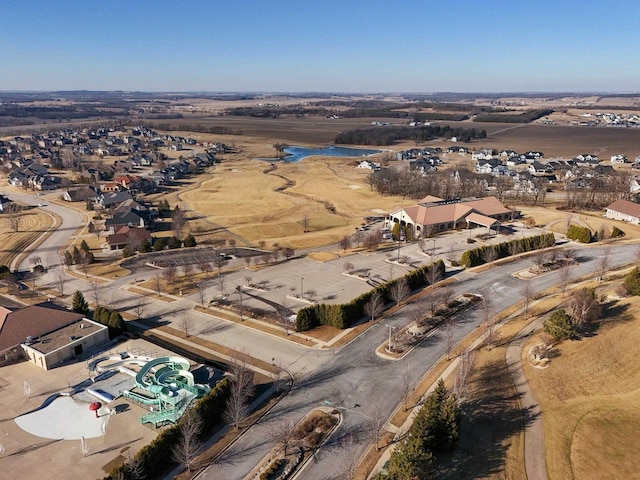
(350, 376)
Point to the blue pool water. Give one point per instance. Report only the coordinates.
(295, 154)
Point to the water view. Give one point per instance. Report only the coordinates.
(295, 154)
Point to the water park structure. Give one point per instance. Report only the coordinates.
(163, 385)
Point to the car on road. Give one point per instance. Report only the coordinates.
(42, 204)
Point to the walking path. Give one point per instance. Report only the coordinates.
(534, 451)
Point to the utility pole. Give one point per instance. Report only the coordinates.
(390, 330)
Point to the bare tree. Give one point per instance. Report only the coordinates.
(169, 274)
(95, 290)
(347, 459)
(186, 448)
(514, 248)
(157, 284)
(376, 420)
(527, 292)
(465, 365)
(240, 292)
(178, 221)
(565, 278)
(201, 293)
(205, 267)
(348, 267)
(584, 307)
(139, 308)
(134, 468)
(540, 259)
(374, 306)
(433, 274)
(186, 324)
(221, 283)
(446, 296)
(187, 271)
(433, 301)
(60, 279)
(345, 243)
(237, 406)
(604, 262)
(85, 261)
(489, 321)
(219, 261)
(449, 339)
(14, 217)
(400, 290)
(36, 261)
(416, 315)
(406, 385)
(284, 311)
(282, 435)
(232, 244)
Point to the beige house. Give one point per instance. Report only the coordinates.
(433, 214)
(46, 335)
(624, 210)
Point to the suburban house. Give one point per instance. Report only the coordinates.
(128, 236)
(4, 203)
(433, 214)
(128, 218)
(368, 165)
(108, 200)
(540, 168)
(82, 194)
(624, 210)
(47, 335)
(619, 159)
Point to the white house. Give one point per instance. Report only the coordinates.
(619, 159)
(368, 165)
(624, 210)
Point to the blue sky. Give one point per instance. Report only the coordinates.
(320, 45)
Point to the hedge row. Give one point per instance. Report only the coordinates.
(580, 234)
(346, 314)
(156, 458)
(477, 256)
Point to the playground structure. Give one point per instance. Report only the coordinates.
(164, 385)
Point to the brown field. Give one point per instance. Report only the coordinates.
(32, 225)
(590, 397)
(256, 203)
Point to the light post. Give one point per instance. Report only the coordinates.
(301, 289)
(433, 251)
(390, 330)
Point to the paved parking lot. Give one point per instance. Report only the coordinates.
(326, 282)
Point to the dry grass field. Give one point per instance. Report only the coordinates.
(590, 396)
(256, 202)
(32, 225)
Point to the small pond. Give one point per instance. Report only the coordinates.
(295, 154)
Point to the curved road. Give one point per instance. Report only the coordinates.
(350, 376)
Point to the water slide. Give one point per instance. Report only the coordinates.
(146, 377)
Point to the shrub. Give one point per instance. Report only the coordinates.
(632, 282)
(190, 241)
(174, 242)
(344, 315)
(616, 232)
(559, 326)
(476, 256)
(579, 234)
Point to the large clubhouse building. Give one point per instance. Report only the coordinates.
(432, 214)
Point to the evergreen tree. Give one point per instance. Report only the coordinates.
(116, 323)
(190, 241)
(559, 326)
(145, 247)
(410, 461)
(632, 282)
(174, 242)
(77, 258)
(84, 246)
(79, 304)
(437, 423)
(68, 259)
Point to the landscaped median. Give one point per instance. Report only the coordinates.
(443, 313)
(296, 444)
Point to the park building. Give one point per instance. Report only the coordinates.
(47, 335)
(433, 215)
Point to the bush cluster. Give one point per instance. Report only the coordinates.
(273, 468)
(476, 256)
(616, 232)
(344, 315)
(579, 234)
(110, 318)
(156, 457)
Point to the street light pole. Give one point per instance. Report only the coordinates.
(301, 289)
(390, 330)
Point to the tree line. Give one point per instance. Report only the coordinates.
(525, 117)
(380, 136)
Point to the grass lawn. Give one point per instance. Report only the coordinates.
(590, 397)
(32, 224)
